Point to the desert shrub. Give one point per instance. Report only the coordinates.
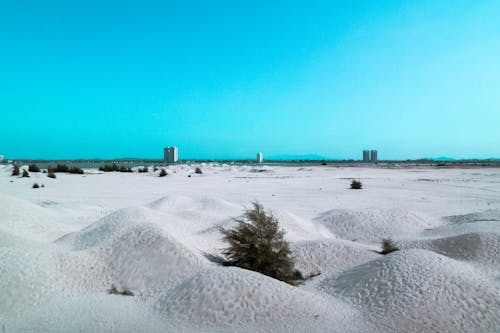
(114, 167)
(76, 170)
(356, 185)
(155, 168)
(388, 246)
(163, 173)
(114, 290)
(50, 172)
(61, 168)
(198, 170)
(257, 243)
(35, 185)
(15, 170)
(143, 170)
(25, 173)
(33, 168)
(124, 168)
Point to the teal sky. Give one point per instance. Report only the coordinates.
(226, 79)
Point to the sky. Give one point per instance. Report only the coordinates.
(227, 79)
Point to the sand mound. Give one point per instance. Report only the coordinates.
(478, 247)
(239, 299)
(421, 291)
(298, 229)
(134, 254)
(330, 256)
(26, 219)
(176, 203)
(371, 225)
(88, 313)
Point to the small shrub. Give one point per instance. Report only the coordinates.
(114, 290)
(15, 170)
(155, 168)
(25, 173)
(198, 170)
(124, 168)
(114, 167)
(61, 168)
(76, 170)
(388, 246)
(163, 173)
(42, 185)
(257, 243)
(143, 170)
(50, 172)
(356, 185)
(33, 168)
(35, 185)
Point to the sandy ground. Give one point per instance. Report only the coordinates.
(64, 245)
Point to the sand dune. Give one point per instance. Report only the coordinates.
(64, 246)
(418, 290)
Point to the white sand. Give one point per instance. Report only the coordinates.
(63, 246)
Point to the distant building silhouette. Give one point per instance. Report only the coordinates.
(373, 156)
(366, 155)
(171, 154)
(260, 157)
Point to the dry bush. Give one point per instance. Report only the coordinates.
(356, 185)
(35, 185)
(198, 170)
(163, 173)
(114, 290)
(33, 168)
(388, 246)
(25, 173)
(257, 243)
(15, 170)
(50, 172)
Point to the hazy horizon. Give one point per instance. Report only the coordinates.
(225, 80)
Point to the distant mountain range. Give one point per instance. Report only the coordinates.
(444, 158)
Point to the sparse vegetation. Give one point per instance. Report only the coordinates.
(33, 168)
(35, 185)
(114, 290)
(388, 246)
(25, 173)
(15, 170)
(257, 243)
(356, 185)
(76, 170)
(143, 170)
(61, 168)
(114, 167)
(163, 173)
(50, 172)
(198, 170)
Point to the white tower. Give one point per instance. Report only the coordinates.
(171, 154)
(260, 157)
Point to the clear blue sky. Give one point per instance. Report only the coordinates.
(225, 79)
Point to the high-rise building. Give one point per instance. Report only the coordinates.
(373, 156)
(366, 155)
(260, 157)
(170, 154)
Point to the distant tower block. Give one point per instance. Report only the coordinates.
(366, 156)
(260, 157)
(171, 154)
(373, 156)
